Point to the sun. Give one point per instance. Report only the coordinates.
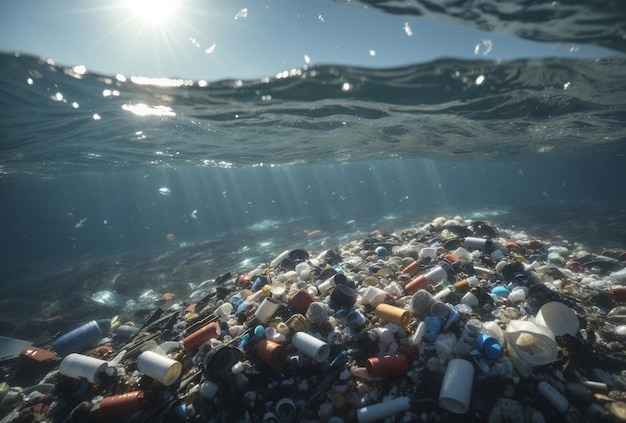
(154, 11)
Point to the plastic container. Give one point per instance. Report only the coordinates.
(317, 312)
(78, 339)
(327, 285)
(559, 318)
(79, 366)
(387, 366)
(199, 337)
(355, 320)
(456, 388)
(492, 328)
(421, 303)
(433, 327)
(474, 243)
(443, 294)
(488, 346)
(396, 315)
(224, 310)
(373, 296)
(297, 323)
(380, 411)
(434, 276)
(412, 269)
(518, 294)
(286, 410)
(278, 289)
(272, 353)
(273, 334)
(342, 297)
(208, 389)
(159, 367)
(462, 286)
(554, 397)
(429, 253)
(470, 299)
(310, 346)
(266, 309)
(219, 361)
(118, 407)
(462, 255)
(532, 344)
(439, 310)
(300, 300)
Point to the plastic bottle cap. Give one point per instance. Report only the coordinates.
(259, 331)
(493, 351)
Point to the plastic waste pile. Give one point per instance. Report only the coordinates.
(450, 321)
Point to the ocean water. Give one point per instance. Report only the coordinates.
(131, 184)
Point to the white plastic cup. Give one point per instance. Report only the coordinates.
(267, 309)
(462, 254)
(470, 299)
(79, 366)
(518, 294)
(278, 289)
(302, 267)
(373, 295)
(436, 274)
(380, 411)
(456, 388)
(532, 344)
(327, 285)
(224, 310)
(310, 346)
(159, 367)
(274, 335)
(428, 252)
(559, 318)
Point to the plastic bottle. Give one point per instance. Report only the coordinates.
(377, 412)
(558, 401)
(434, 276)
(256, 297)
(486, 245)
(79, 338)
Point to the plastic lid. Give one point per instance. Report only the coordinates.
(492, 350)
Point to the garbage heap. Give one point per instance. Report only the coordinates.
(450, 321)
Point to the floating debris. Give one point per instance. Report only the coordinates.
(451, 319)
(107, 298)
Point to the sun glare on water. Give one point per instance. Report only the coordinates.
(154, 11)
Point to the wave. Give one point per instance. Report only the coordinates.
(57, 119)
(595, 22)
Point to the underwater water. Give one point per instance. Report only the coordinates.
(129, 184)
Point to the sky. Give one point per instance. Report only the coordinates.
(237, 39)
